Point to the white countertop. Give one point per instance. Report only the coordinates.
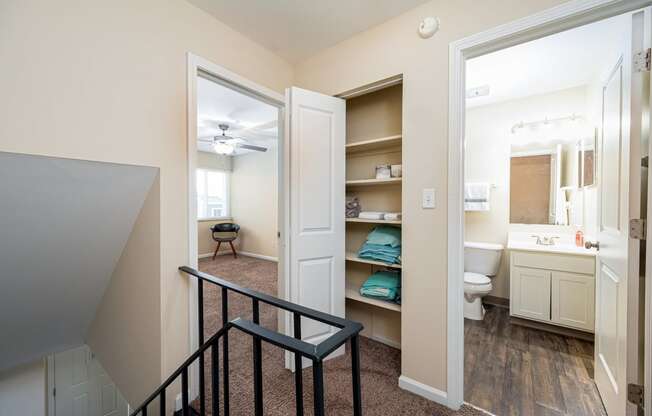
(558, 248)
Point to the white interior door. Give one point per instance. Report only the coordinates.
(617, 263)
(74, 391)
(83, 388)
(315, 276)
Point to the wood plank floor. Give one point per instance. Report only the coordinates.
(513, 370)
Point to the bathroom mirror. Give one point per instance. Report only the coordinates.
(586, 169)
(543, 181)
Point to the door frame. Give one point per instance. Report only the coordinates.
(239, 83)
(563, 17)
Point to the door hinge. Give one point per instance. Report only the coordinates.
(637, 229)
(643, 61)
(635, 394)
(54, 392)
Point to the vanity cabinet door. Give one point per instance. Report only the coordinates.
(531, 293)
(573, 300)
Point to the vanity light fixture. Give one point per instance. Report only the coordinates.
(546, 122)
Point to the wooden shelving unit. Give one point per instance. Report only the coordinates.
(374, 137)
(353, 293)
(374, 182)
(374, 144)
(366, 221)
(352, 256)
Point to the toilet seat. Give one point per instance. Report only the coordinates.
(476, 278)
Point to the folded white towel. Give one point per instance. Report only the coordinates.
(371, 215)
(392, 216)
(476, 196)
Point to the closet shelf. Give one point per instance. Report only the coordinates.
(351, 256)
(352, 292)
(374, 144)
(374, 182)
(363, 220)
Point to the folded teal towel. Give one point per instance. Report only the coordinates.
(386, 254)
(385, 235)
(384, 285)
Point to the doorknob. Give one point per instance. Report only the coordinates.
(590, 245)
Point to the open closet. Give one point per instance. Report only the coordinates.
(374, 162)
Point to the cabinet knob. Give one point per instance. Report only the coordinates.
(592, 244)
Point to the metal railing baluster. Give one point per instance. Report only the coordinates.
(298, 367)
(225, 350)
(215, 378)
(200, 323)
(355, 373)
(162, 403)
(258, 363)
(184, 392)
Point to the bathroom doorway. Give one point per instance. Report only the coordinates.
(543, 137)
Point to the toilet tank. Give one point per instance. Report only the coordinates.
(483, 258)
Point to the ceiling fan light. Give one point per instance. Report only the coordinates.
(223, 148)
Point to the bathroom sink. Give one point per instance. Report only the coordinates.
(562, 247)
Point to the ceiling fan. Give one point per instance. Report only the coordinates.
(226, 145)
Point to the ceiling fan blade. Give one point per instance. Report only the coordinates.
(207, 139)
(251, 147)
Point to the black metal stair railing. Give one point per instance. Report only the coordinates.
(348, 331)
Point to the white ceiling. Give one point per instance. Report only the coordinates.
(563, 60)
(296, 29)
(248, 118)
(64, 225)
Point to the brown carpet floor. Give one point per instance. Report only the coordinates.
(380, 363)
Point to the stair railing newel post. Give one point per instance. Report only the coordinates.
(318, 386)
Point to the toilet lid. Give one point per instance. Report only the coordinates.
(476, 278)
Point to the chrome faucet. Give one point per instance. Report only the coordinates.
(545, 241)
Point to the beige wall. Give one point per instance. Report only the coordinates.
(254, 202)
(127, 319)
(395, 48)
(489, 143)
(23, 390)
(106, 81)
(214, 161)
(254, 206)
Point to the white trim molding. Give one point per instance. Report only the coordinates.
(423, 390)
(232, 80)
(240, 253)
(565, 16)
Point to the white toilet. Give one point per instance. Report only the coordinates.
(481, 261)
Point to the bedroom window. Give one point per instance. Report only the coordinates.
(212, 194)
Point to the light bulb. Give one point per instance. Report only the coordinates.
(223, 148)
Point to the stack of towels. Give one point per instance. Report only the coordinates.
(384, 285)
(383, 244)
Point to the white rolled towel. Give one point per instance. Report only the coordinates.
(371, 215)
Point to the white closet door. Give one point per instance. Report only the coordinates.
(317, 188)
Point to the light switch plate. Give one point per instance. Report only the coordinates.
(428, 198)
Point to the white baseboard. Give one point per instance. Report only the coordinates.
(244, 253)
(423, 390)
